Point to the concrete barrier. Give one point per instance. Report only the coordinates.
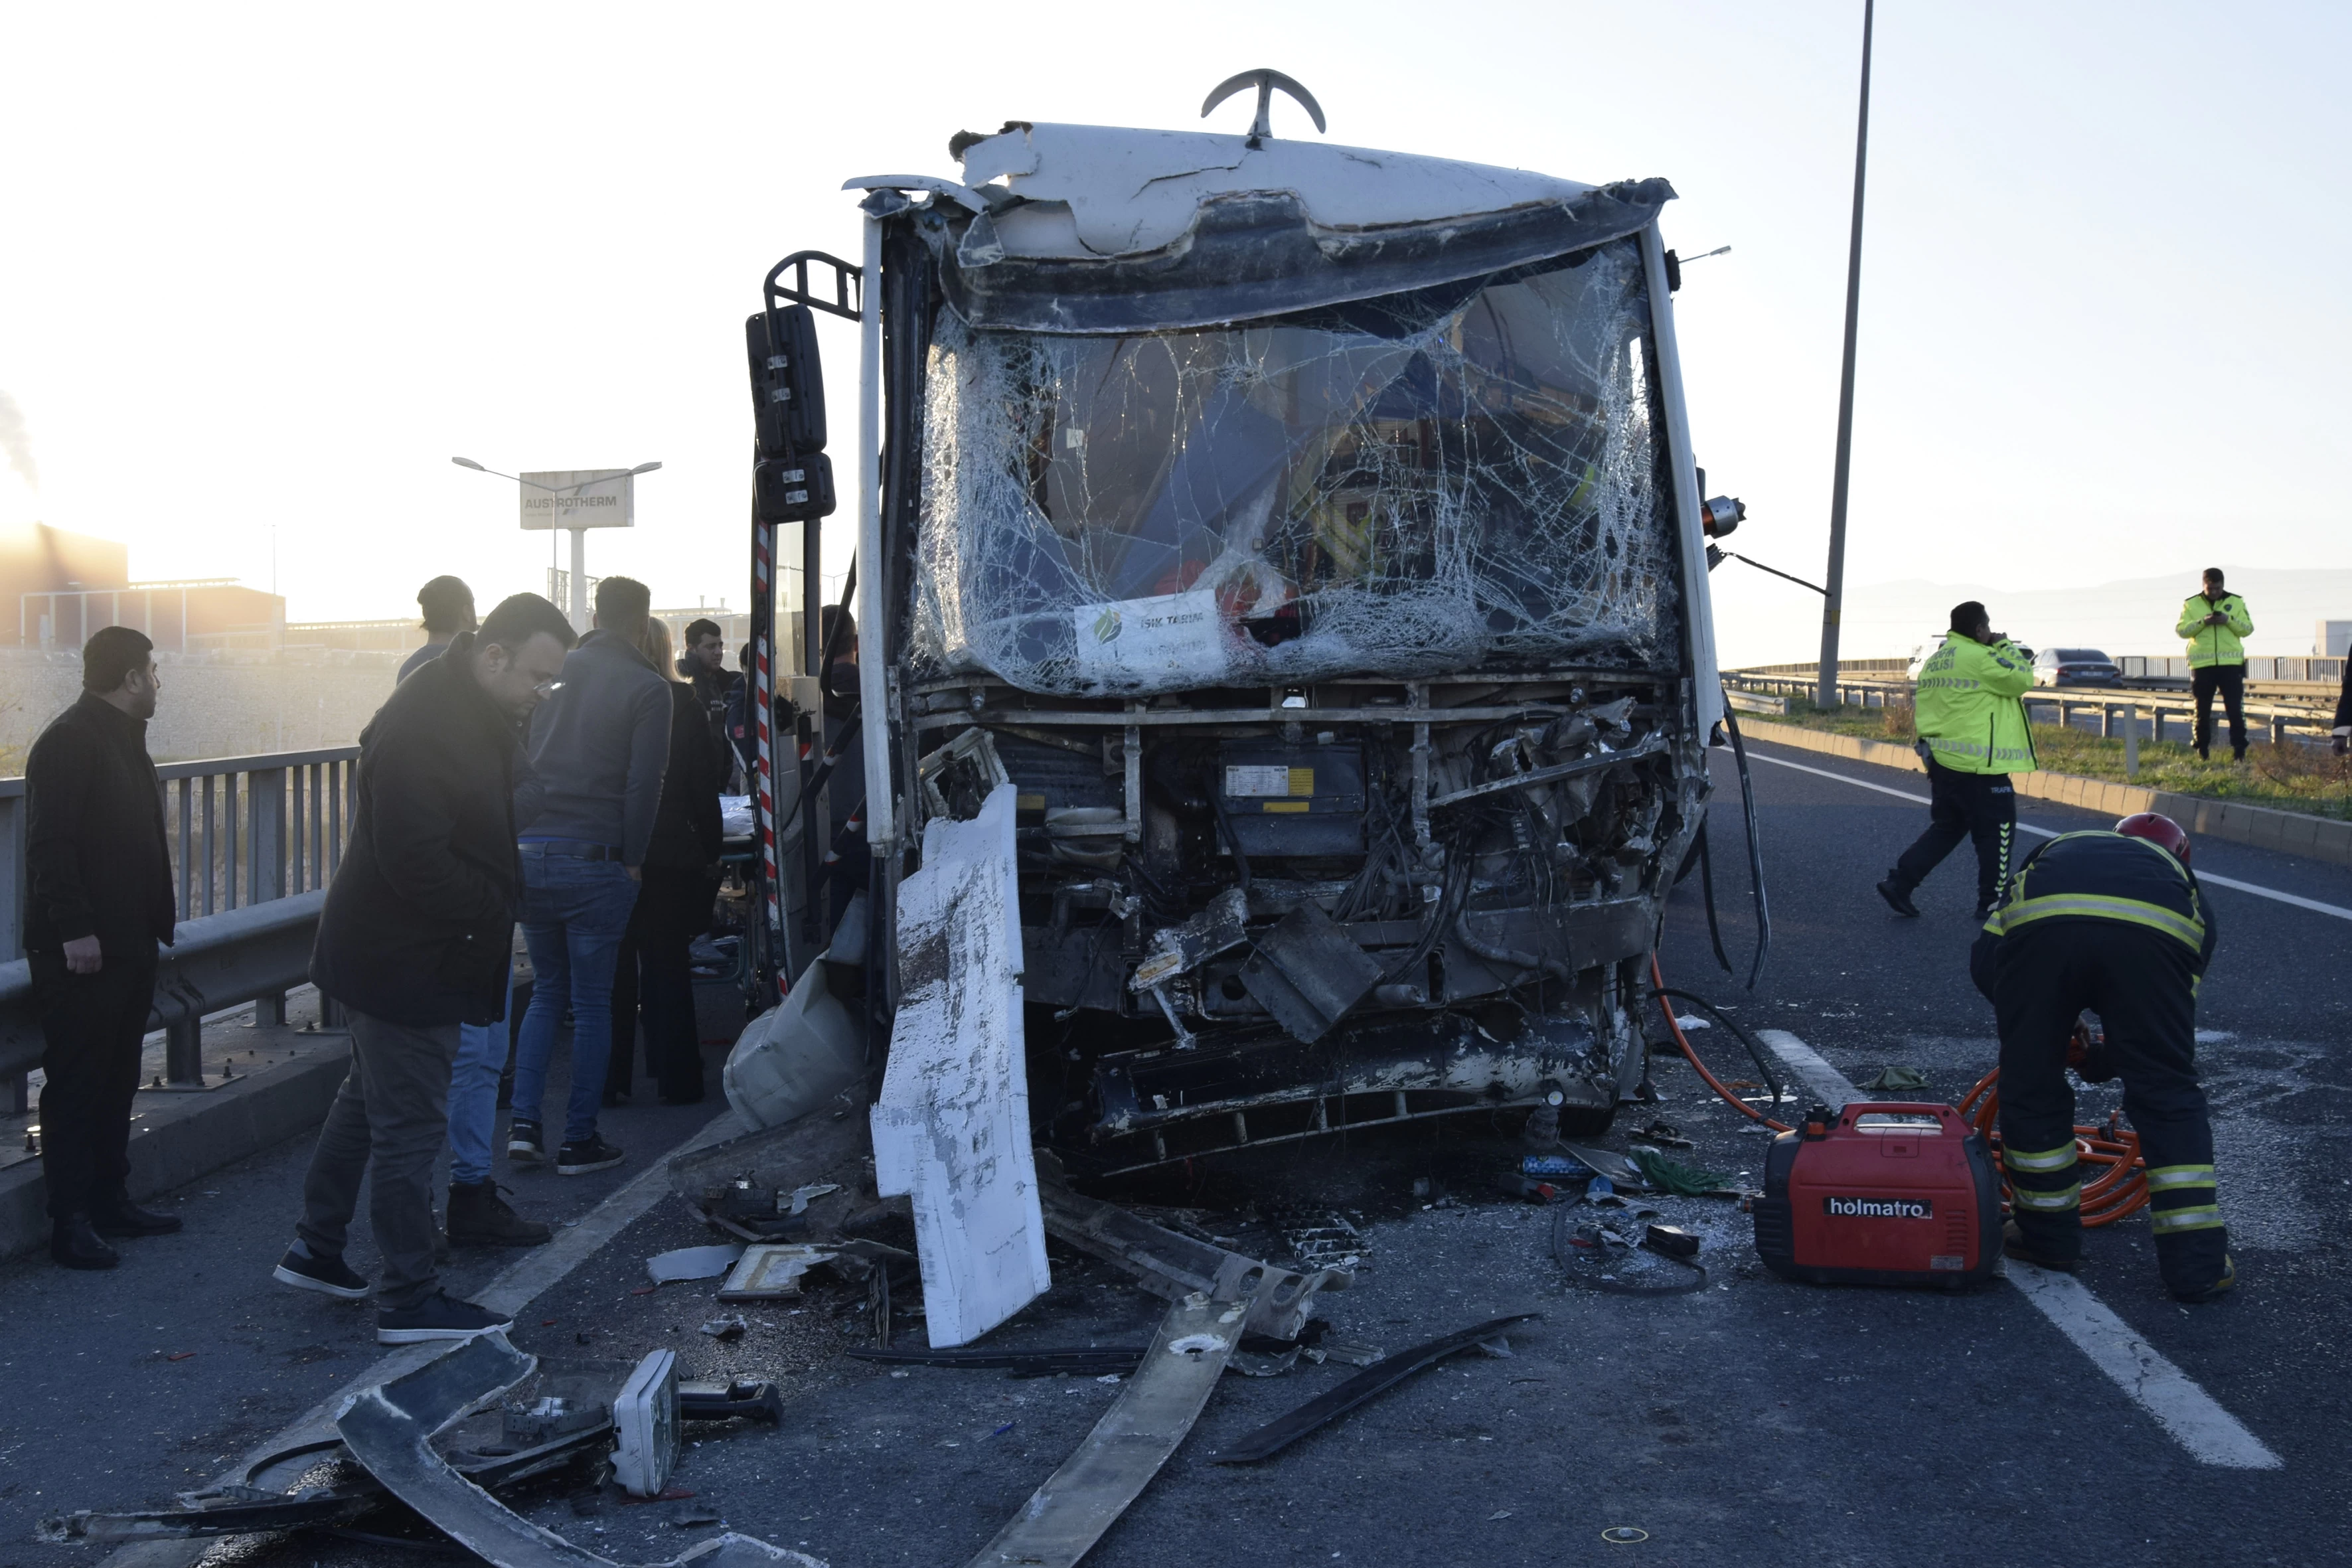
(2232, 821)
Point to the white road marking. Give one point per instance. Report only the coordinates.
(1827, 1084)
(2210, 1434)
(2313, 905)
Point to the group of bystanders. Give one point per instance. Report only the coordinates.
(518, 771)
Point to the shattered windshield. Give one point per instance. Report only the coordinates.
(1415, 485)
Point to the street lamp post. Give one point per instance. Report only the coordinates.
(1833, 606)
(578, 609)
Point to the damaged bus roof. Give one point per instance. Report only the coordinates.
(1109, 229)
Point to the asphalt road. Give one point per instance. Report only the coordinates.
(1752, 1422)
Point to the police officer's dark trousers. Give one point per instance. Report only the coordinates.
(1979, 807)
(2230, 682)
(2138, 981)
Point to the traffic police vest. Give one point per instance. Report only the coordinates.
(1965, 707)
(2214, 644)
(2103, 876)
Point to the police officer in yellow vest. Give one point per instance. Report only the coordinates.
(1973, 734)
(2213, 620)
(2114, 922)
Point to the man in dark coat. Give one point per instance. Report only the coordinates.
(417, 939)
(98, 899)
(704, 665)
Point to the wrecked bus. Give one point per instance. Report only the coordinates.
(1306, 542)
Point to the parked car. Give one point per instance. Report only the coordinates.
(2074, 667)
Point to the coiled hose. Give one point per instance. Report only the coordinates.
(2119, 1187)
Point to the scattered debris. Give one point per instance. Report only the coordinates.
(1174, 1267)
(1667, 1134)
(1552, 1165)
(1620, 1169)
(693, 1262)
(1085, 1361)
(772, 1271)
(1672, 1240)
(1893, 1077)
(1597, 1257)
(686, 1515)
(1351, 1353)
(1528, 1188)
(730, 1328)
(1328, 1242)
(477, 1419)
(1377, 1379)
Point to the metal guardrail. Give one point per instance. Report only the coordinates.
(2117, 707)
(254, 842)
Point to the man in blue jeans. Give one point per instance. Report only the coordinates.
(597, 750)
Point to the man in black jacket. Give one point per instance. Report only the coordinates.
(415, 941)
(704, 666)
(99, 900)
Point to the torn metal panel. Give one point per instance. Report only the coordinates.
(1174, 1267)
(389, 1429)
(1276, 1436)
(1063, 1518)
(952, 1126)
(1308, 973)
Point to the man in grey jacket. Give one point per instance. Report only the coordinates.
(597, 750)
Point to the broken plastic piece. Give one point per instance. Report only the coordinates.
(1172, 1266)
(729, 1328)
(772, 1271)
(693, 1262)
(645, 1424)
(1276, 1436)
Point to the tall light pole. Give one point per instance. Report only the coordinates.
(1833, 604)
(578, 610)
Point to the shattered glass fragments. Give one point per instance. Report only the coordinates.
(1425, 483)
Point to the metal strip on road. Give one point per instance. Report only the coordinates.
(2313, 905)
(2210, 1434)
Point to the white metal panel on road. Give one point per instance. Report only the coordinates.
(952, 1126)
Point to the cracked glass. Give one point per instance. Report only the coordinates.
(1455, 478)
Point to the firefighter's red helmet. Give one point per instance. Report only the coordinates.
(2159, 830)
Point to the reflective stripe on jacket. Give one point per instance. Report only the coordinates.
(1967, 709)
(2105, 876)
(2214, 644)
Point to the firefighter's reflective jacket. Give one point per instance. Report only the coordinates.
(2103, 876)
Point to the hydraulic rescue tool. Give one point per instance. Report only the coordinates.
(1881, 1192)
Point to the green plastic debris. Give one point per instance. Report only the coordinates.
(1897, 1079)
(1674, 1176)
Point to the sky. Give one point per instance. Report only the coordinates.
(265, 269)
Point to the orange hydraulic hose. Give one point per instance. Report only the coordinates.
(2119, 1187)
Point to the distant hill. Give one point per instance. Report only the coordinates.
(2134, 615)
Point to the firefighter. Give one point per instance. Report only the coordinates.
(2112, 922)
(2213, 619)
(1972, 736)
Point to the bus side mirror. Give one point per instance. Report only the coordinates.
(787, 382)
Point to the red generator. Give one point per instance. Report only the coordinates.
(1882, 1192)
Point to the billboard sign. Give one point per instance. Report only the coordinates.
(580, 497)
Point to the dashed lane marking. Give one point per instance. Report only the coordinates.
(2313, 905)
(2210, 1434)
